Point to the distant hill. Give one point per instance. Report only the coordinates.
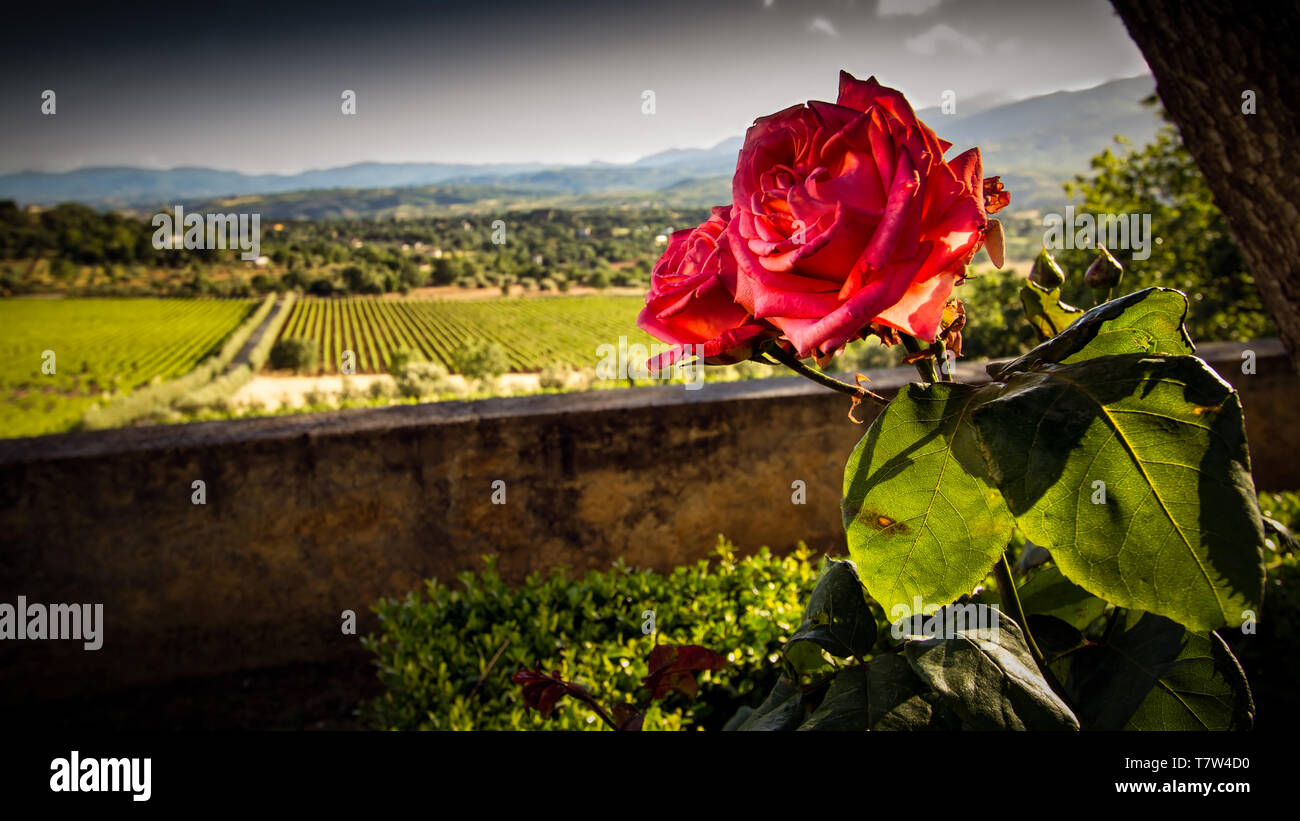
(443, 200)
(724, 153)
(1039, 143)
(1034, 144)
(127, 187)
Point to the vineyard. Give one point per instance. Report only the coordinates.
(98, 346)
(108, 348)
(534, 332)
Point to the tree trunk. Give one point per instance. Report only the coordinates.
(1205, 56)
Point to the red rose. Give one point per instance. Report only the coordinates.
(692, 298)
(846, 214)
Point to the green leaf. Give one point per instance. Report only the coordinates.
(1175, 527)
(1148, 321)
(1049, 593)
(1154, 674)
(990, 679)
(782, 710)
(837, 618)
(1283, 538)
(900, 700)
(922, 516)
(1056, 640)
(1058, 613)
(965, 614)
(738, 720)
(844, 706)
(1045, 310)
(807, 661)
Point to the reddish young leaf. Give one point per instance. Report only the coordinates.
(627, 717)
(542, 691)
(671, 668)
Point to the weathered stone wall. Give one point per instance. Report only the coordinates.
(307, 516)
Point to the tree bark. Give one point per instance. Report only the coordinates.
(1205, 55)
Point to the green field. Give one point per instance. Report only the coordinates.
(533, 331)
(99, 346)
(110, 346)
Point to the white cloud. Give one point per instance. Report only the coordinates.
(820, 25)
(894, 8)
(927, 43)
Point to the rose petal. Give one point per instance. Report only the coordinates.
(881, 246)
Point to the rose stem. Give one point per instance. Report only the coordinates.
(941, 357)
(1011, 603)
(792, 362)
(925, 367)
(590, 701)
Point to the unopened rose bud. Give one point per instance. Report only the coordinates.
(1105, 272)
(1046, 272)
(954, 319)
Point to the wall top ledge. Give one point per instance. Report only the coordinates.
(90, 444)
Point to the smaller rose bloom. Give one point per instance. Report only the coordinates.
(692, 298)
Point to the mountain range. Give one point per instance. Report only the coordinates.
(1035, 144)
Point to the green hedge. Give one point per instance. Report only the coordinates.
(219, 389)
(434, 647)
(222, 387)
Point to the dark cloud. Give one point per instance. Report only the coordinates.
(255, 86)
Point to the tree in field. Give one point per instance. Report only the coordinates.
(1191, 247)
(445, 271)
(409, 274)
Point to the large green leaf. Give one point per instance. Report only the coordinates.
(1049, 593)
(1045, 310)
(990, 679)
(1131, 466)
(837, 618)
(900, 700)
(884, 695)
(1148, 321)
(1152, 674)
(1179, 531)
(844, 706)
(783, 709)
(922, 516)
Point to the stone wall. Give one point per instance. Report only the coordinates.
(307, 516)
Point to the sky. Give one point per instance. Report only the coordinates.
(256, 86)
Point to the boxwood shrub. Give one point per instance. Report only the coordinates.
(436, 648)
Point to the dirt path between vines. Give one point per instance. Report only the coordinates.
(241, 358)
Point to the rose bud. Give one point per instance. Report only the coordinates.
(1105, 272)
(954, 319)
(1046, 272)
(996, 196)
